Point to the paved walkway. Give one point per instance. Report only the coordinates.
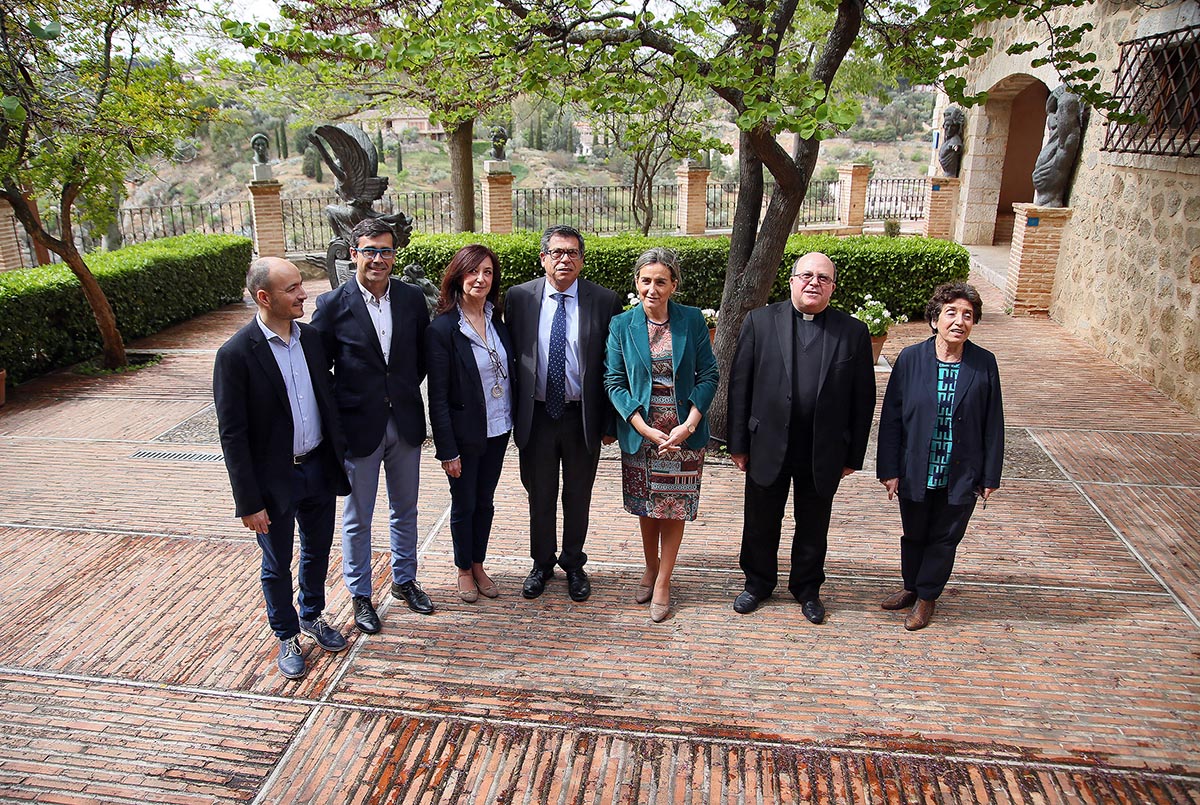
(1063, 664)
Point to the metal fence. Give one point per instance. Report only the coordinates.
(604, 209)
(820, 203)
(306, 227)
(140, 224)
(902, 199)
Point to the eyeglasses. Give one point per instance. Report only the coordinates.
(371, 253)
(805, 277)
(558, 254)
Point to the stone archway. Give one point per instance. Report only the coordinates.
(1003, 137)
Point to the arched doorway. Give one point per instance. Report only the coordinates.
(1003, 138)
(1026, 131)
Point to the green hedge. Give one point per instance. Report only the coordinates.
(45, 322)
(901, 272)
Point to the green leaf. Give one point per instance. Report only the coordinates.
(47, 33)
(13, 110)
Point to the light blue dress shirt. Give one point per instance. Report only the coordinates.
(499, 409)
(306, 417)
(574, 383)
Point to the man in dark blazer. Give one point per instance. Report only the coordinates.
(283, 448)
(559, 326)
(801, 397)
(373, 329)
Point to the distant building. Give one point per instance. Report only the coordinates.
(395, 122)
(1128, 274)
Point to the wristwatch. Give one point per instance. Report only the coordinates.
(691, 428)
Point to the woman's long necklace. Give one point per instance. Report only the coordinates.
(498, 372)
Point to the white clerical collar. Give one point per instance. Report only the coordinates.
(808, 316)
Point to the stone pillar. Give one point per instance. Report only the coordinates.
(941, 201)
(10, 244)
(1033, 260)
(266, 209)
(497, 196)
(691, 204)
(852, 195)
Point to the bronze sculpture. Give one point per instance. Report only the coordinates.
(355, 166)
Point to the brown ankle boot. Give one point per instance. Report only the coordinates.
(920, 616)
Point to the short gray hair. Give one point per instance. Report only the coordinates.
(259, 276)
(658, 254)
(562, 230)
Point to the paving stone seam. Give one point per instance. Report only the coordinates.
(121, 532)
(828, 748)
(520, 560)
(1065, 429)
(136, 443)
(1129, 546)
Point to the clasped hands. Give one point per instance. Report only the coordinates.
(667, 442)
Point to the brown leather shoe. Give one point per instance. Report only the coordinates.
(899, 600)
(920, 616)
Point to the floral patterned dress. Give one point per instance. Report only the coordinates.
(668, 487)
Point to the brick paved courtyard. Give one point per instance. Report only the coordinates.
(1063, 664)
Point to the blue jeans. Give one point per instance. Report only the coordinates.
(312, 509)
(401, 463)
(472, 503)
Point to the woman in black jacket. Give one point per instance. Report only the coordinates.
(941, 445)
(470, 362)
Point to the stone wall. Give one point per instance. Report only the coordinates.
(1128, 275)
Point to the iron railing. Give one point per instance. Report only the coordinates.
(820, 203)
(306, 227)
(606, 209)
(902, 199)
(140, 224)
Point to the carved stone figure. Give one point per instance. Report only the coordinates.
(499, 140)
(414, 274)
(355, 166)
(950, 151)
(1052, 170)
(260, 143)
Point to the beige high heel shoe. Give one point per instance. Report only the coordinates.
(659, 612)
(644, 593)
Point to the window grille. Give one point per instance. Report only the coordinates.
(1159, 79)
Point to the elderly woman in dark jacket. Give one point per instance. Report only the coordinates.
(470, 362)
(941, 445)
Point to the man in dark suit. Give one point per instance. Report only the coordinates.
(559, 325)
(801, 397)
(373, 329)
(283, 448)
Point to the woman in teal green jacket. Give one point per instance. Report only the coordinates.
(661, 376)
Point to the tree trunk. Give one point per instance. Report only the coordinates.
(462, 175)
(113, 346)
(41, 255)
(735, 303)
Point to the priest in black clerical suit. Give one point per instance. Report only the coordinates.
(801, 397)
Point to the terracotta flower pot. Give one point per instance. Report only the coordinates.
(877, 347)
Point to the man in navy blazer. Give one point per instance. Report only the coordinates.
(283, 449)
(373, 328)
(546, 437)
(801, 398)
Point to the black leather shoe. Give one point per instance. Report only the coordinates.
(535, 582)
(365, 617)
(814, 610)
(578, 585)
(411, 593)
(747, 602)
